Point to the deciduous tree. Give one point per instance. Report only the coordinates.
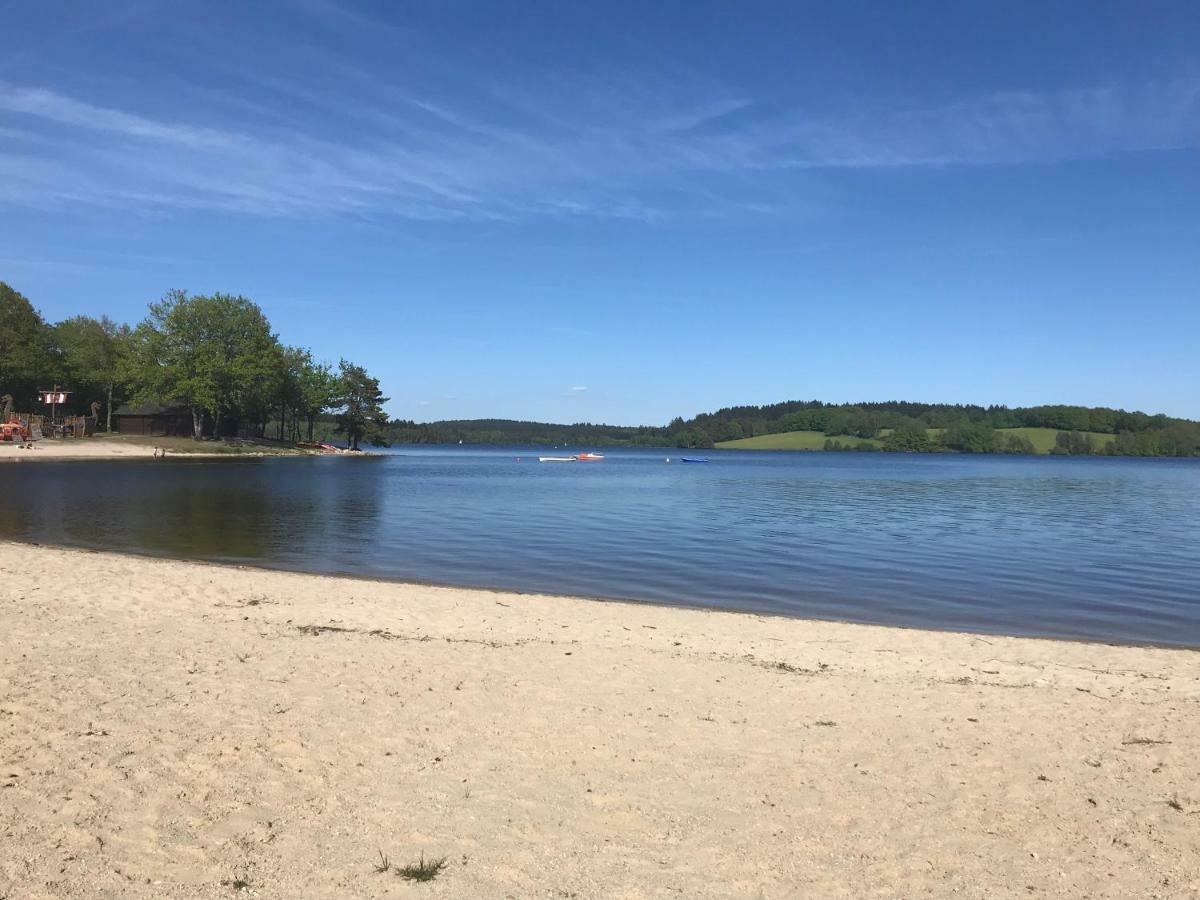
(215, 354)
(26, 349)
(359, 402)
(93, 356)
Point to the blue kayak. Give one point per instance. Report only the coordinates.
(692, 459)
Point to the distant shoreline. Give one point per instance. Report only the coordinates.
(813, 425)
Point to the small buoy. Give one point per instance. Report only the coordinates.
(668, 459)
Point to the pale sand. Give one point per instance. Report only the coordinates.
(59, 449)
(72, 448)
(167, 726)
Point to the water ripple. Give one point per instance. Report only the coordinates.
(1092, 548)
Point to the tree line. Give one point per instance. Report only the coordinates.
(896, 426)
(218, 357)
(215, 356)
(906, 426)
(511, 431)
(866, 420)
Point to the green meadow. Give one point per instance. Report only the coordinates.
(1042, 439)
(794, 440)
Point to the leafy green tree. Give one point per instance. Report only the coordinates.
(1016, 444)
(1141, 443)
(908, 437)
(695, 438)
(1073, 443)
(359, 402)
(94, 355)
(308, 389)
(291, 362)
(26, 349)
(854, 420)
(969, 437)
(215, 354)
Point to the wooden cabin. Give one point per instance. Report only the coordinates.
(153, 419)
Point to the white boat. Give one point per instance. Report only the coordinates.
(557, 459)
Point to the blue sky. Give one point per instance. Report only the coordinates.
(625, 212)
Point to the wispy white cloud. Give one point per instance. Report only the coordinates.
(339, 13)
(1006, 127)
(580, 151)
(46, 104)
(579, 388)
(96, 260)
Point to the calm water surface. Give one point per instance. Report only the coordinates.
(1091, 548)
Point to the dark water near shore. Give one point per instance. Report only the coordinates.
(1089, 548)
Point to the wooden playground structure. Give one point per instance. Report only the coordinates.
(25, 428)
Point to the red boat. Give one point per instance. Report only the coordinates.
(319, 445)
(589, 457)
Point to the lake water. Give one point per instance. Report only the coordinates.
(1089, 548)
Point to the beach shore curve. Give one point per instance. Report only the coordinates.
(177, 729)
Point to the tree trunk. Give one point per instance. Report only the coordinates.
(108, 421)
(312, 421)
(197, 423)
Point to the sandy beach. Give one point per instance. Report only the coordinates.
(73, 449)
(118, 447)
(171, 729)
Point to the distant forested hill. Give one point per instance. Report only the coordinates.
(510, 431)
(892, 425)
(903, 425)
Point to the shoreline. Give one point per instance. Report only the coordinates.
(595, 598)
(170, 728)
(113, 449)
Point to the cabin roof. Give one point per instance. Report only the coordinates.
(151, 409)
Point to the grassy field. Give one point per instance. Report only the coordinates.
(792, 440)
(1041, 438)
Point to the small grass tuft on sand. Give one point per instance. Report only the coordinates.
(424, 870)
